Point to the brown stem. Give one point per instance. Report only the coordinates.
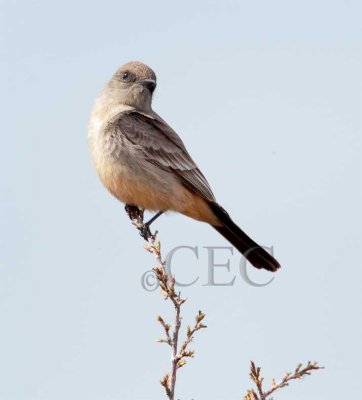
(167, 286)
(175, 357)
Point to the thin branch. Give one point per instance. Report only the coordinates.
(167, 288)
(166, 327)
(256, 377)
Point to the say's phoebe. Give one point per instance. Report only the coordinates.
(143, 162)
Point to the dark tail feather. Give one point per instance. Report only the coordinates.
(255, 254)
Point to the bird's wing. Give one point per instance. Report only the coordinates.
(162, 147)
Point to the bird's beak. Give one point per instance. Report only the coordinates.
(150, 84)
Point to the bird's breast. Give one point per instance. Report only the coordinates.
(123, 168)
(112, 158)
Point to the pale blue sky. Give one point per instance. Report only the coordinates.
(269, 104)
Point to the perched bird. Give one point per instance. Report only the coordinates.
(142, 161)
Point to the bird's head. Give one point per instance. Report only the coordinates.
(133, 84)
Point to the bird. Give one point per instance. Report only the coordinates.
(144, 163)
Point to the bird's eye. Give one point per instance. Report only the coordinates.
(125, 75)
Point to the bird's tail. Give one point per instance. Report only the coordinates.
(255, 254)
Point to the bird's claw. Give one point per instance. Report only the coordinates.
(136, 216)
(145, 231)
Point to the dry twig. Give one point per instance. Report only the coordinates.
(167, 287)
(256, 377)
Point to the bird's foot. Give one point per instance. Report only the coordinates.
(134, 213)
(145, 227)
(145, 231)
(136, 216)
